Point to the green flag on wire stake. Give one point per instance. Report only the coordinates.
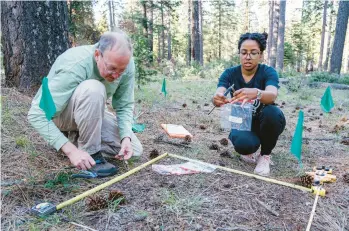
(46, 101)
(296, 146)
(163, 89)
(327, 101)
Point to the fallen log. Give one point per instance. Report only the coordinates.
(337, 86)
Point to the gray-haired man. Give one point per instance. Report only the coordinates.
(80, 82)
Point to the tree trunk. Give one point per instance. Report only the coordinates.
(151, 35)
(72, 33)
(196, 32)
(33, 35)
(275, 33)
(270, 33)
(300, 53)
(145, 28)
(247, 18)
(339, 37)
(328, 50)
(323, 36)
(298, 63)
(281, 37)
(306, 66)
(162, 31)
(189, 34)
(201, 35)
(169, 39)
(219, 31)
(112, 15)
(111, 21)
(159, 47)
(113, 12)
(145, 19)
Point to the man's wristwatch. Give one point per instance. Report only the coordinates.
(259, 94)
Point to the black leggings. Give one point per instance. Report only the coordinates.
(266, 128)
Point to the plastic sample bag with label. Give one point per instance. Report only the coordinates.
(235, 116)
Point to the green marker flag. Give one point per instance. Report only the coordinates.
(327, 101)
(164, 87)
(138, 128)
(296, 146)
(46, 101)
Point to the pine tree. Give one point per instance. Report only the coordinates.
(281, 37)
(339, 37)
(323, 35)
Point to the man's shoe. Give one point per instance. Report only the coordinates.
(102, 167)
(251, 158)
(263, 165)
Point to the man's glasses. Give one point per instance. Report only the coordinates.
(111, 71)
(253, 55)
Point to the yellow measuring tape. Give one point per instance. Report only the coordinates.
(118, 178)
(121, 177)
(247, 174)
(108, 183)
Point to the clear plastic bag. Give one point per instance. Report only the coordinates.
(233, 116)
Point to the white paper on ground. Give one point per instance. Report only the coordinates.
(182, 169)
(176, 130)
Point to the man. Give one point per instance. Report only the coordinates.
(80, 81)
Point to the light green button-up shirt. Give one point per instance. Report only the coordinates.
(70, 69)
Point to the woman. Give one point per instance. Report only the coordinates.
(260, 83)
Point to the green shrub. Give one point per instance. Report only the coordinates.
(344, 79)
(329, 77)
(61, 179)
(324, 77)
(295, 83)
(304, 93)
(22, 141)
(289, 72)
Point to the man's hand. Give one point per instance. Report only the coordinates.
(126, 149)
(244, 95)
(80, 159)
(219, 99)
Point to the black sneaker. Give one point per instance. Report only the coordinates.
(102, 167)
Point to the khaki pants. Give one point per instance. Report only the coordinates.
(86, 115)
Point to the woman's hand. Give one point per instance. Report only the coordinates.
(219, 99)
(244, 95)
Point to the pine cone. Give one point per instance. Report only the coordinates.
(115, 195)
(202, 127)
(346, 177)
(224, 141)
(96, 203)
(214, 147)
(187, 138)
(225, 154)
(153, 154)
(307, 181)
(345, 141)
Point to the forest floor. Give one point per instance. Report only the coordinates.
(206, 201)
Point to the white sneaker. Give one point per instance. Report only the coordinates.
(251, 158)
(263, 165)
